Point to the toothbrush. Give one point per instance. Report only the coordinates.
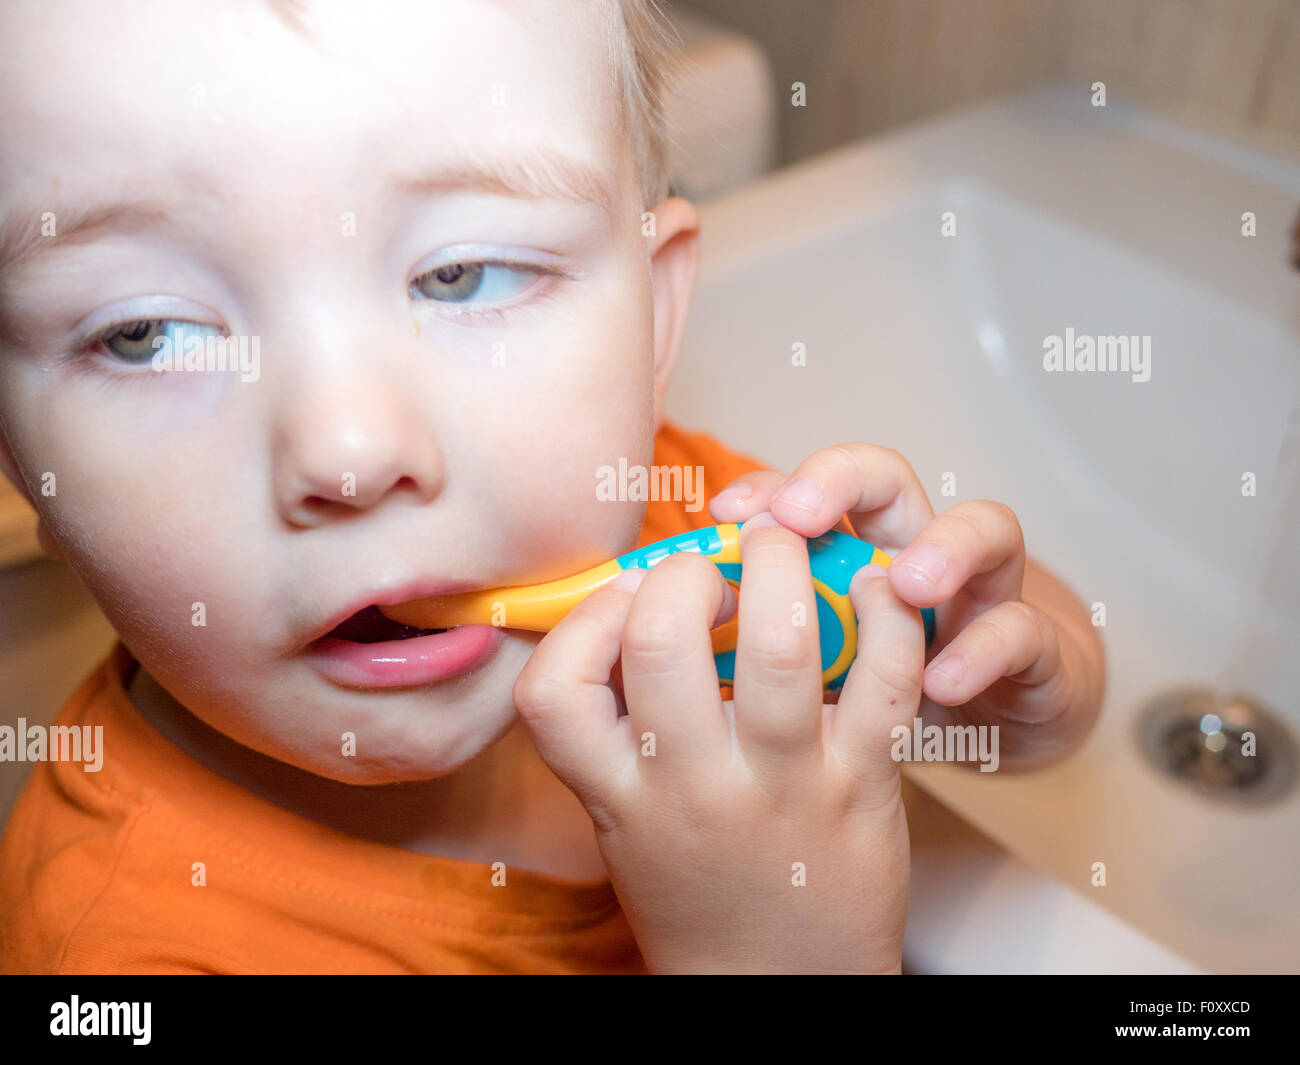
(834, 558)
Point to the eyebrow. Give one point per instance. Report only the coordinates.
(542, 174)
(21, 236)
(539, 174)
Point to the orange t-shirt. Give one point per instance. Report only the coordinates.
(95, 868)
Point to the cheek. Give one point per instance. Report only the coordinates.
(594, 408)
(128, 515)
(168, 577)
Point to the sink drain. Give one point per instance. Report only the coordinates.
(1226, 748)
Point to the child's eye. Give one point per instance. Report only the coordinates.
(137, 341)
(477, 282)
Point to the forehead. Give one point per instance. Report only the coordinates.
(227, 88)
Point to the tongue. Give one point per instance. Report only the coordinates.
(370, 626)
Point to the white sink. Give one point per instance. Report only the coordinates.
(1109, 221)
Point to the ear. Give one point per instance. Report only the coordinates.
(9, 465)
(674, 262)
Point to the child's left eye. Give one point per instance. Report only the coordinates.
(478, 282)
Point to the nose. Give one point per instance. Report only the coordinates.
(349, 439)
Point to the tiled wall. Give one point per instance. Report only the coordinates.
(873, 64)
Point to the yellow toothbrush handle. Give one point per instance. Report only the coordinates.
(833, 559)
(535, 607)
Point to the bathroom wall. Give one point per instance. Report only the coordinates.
(51, 635)
(870, 65)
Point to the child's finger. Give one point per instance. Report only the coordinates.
(562, 694)
(875, 486)
(746, 496)
(883, 688)
(1012, 639)
(670, 680)
(778, 681)
(977, 546)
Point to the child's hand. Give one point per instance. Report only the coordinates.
(763, 834)
(1035, 669)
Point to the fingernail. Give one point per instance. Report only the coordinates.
(736, 490)
(951, 668)
(803, 492)
(730, 604)
(630, 579)
(759, 520)
(925, 559)
(866, 573)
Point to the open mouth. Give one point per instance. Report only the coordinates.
(371, 626)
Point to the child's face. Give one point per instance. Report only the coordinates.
(302, 188)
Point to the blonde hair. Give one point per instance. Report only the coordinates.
(645, 50)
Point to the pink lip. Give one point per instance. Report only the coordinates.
(405, 663)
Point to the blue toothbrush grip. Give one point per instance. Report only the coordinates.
(725, 661)
(833, 557)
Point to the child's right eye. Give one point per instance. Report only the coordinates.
(137, 341)
(477, 282)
